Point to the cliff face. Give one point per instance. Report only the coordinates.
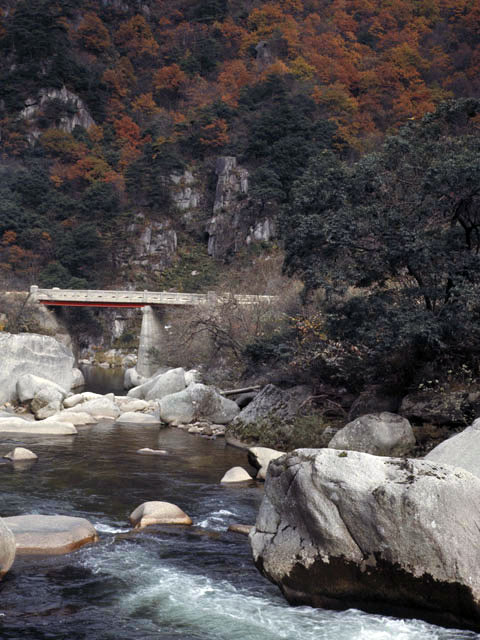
(236, 221)
(71, 111)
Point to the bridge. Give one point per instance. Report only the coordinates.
(152, 332)
(135, 299)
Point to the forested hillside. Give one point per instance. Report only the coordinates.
(101, 103)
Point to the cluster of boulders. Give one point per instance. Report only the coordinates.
(181, 399)
(357, 525)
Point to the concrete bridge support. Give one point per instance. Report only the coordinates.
(152, 337)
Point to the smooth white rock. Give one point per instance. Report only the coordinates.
(236, 474)
(157, 512)
(41, 427)
(20, 453)
(134, 417)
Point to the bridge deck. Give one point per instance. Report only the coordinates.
(135, 299)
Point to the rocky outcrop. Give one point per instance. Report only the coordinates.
(274, 402)
(156, 512)
(436, 407)
(7, 548)
(234, 224)
(30, 353)
(160, 386)
(50, 535)
(347, 529)
(461, 450)
(153, 245)
(383, 434)
(73, 114)
(197, 402)
(184, 192)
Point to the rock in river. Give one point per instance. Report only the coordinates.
(20, 454)
(386, 535)
(197, 402)
(50, 535)
(38, 427)
(156, 512)
(236, 474)
(7, 548)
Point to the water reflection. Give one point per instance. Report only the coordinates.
(100, 380)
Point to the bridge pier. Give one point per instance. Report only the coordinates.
(152, 335)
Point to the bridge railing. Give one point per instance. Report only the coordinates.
(143, 297)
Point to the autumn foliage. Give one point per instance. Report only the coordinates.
(169, 82)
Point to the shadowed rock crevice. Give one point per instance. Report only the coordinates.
(388, 590)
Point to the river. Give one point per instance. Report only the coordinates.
(167, 583)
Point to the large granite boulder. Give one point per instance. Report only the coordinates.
(7, 548)
(461, 450)
(50, 535)
(38, 427)
(24, 353)
(387, 535)
(29, 385)
(197, 402)
(436, 407)
(383, 434)
(272, 401)
(160, 385)
(166, 384)
(46, 402)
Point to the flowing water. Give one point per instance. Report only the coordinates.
(189, 583)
